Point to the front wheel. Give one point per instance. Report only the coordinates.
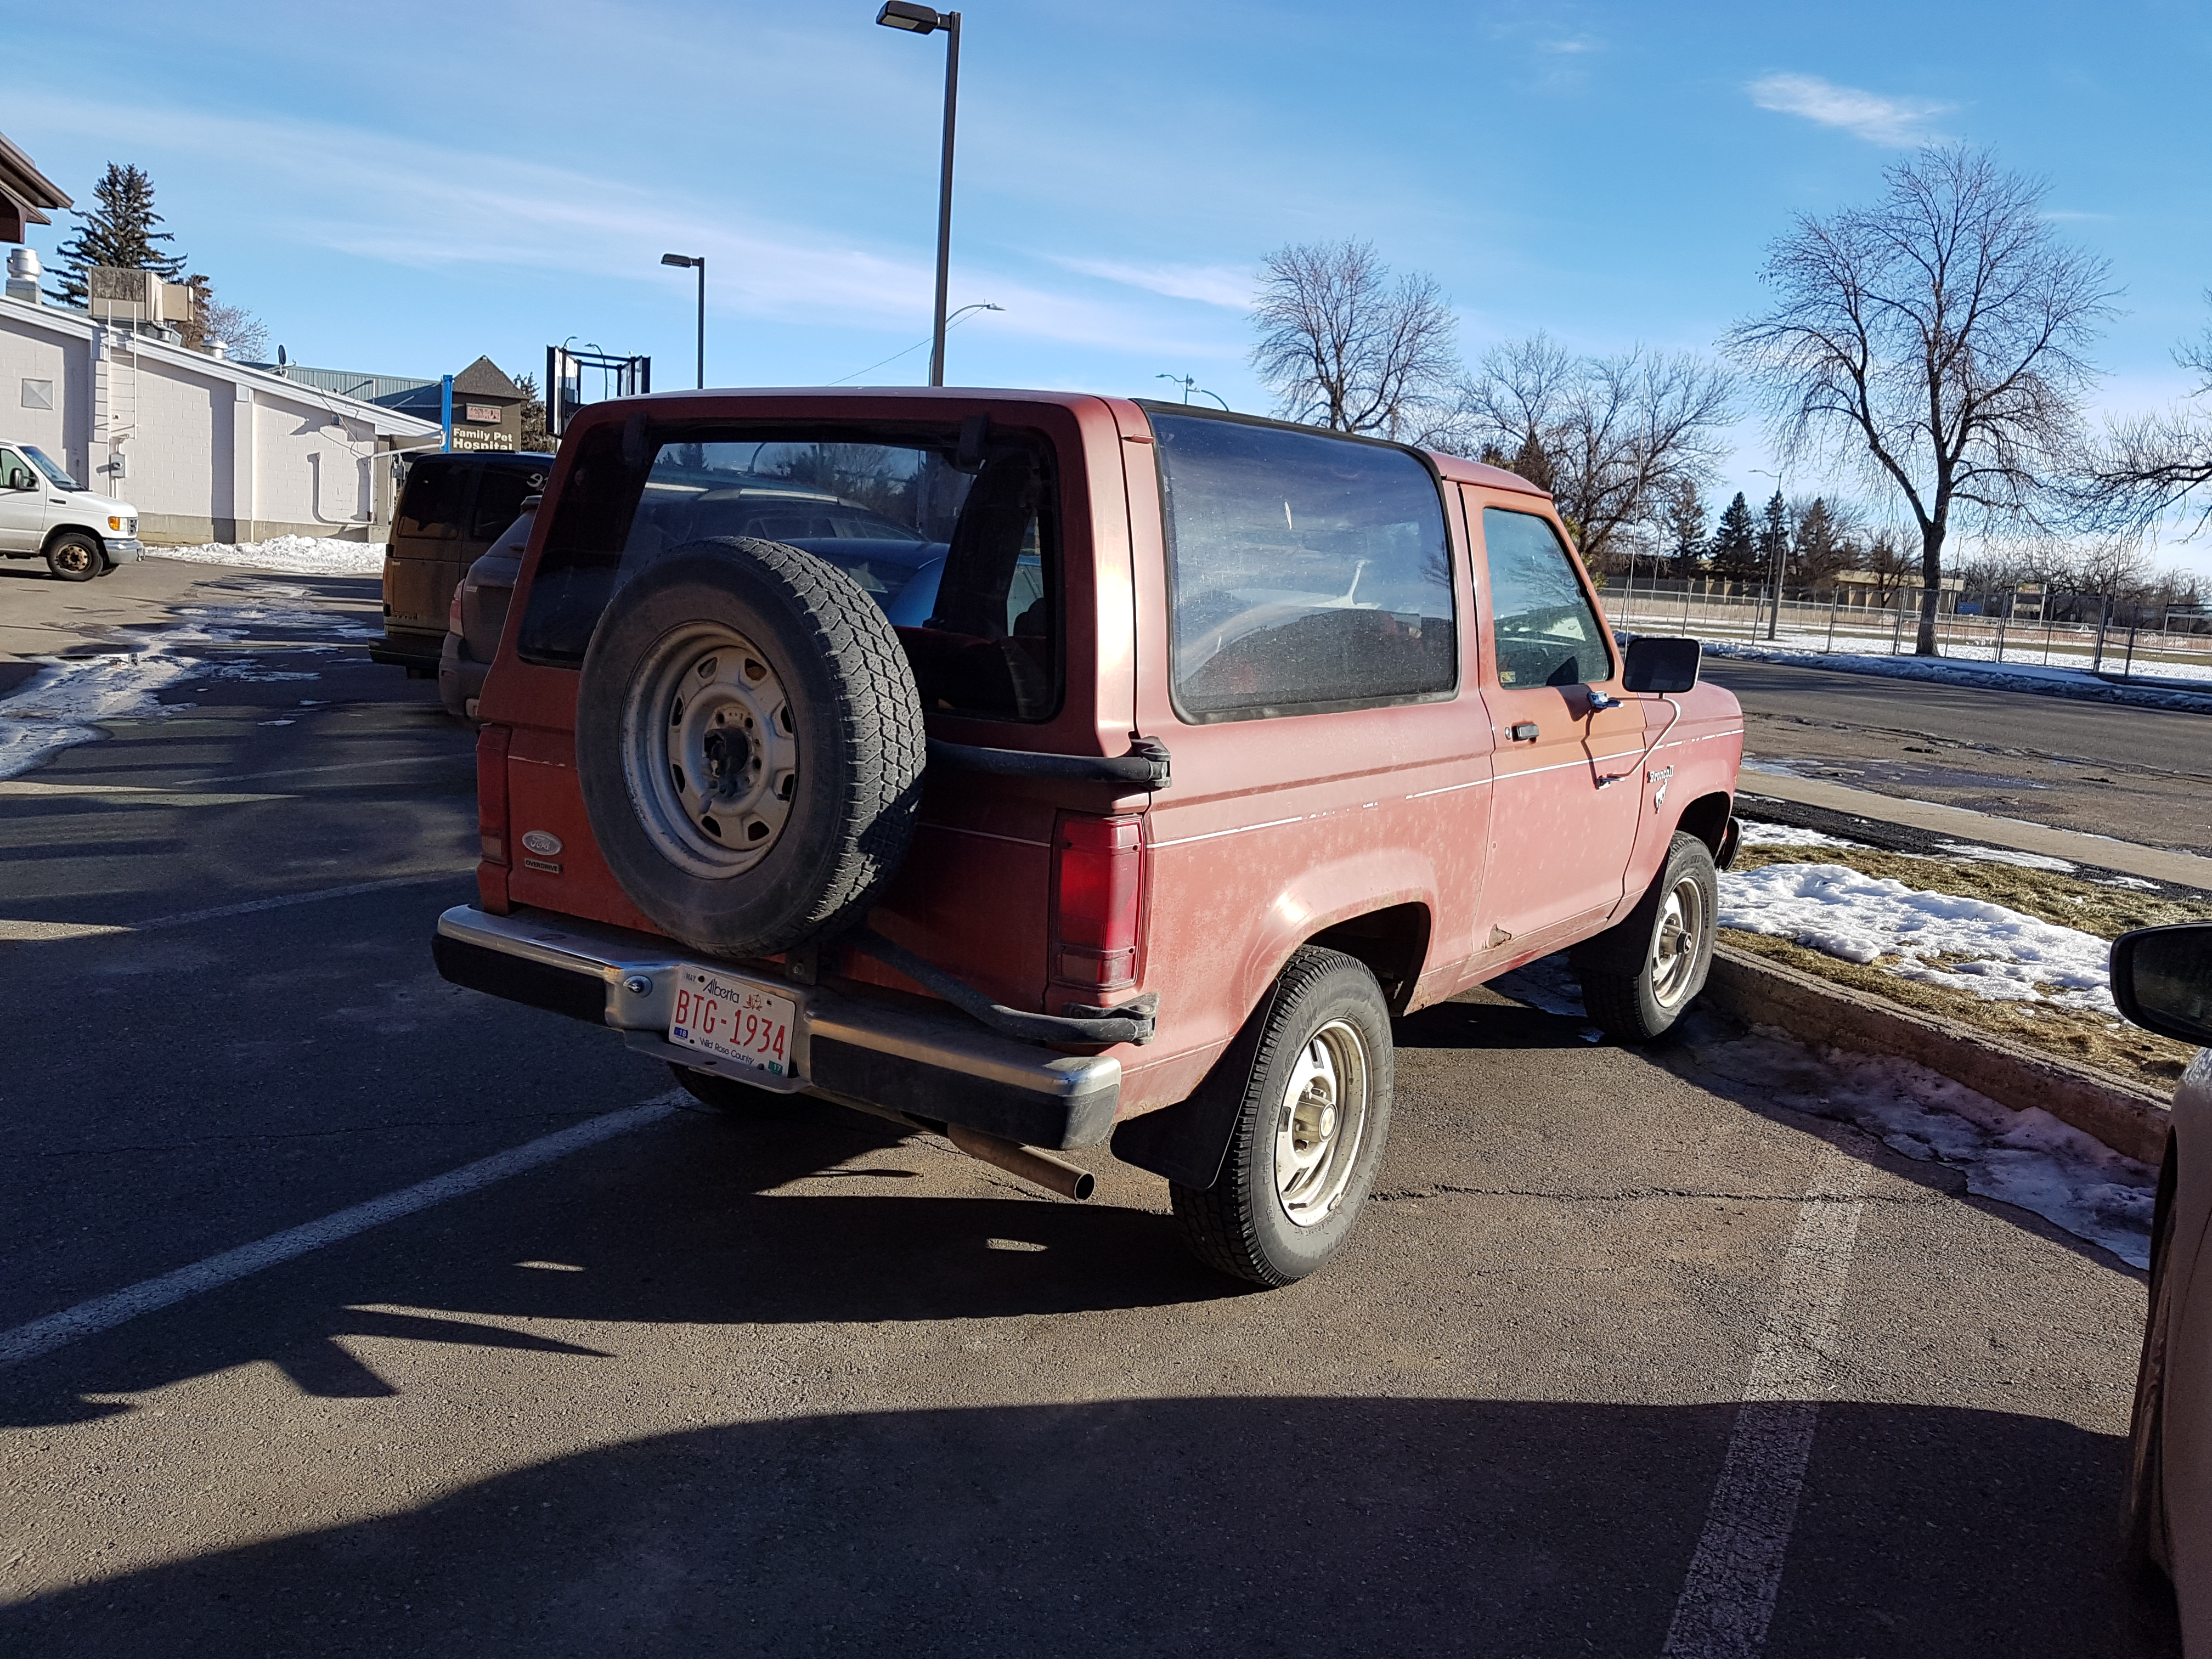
(1310, 1130)
(74, 557)
(1640, 974)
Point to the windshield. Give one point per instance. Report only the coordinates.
(61, 480)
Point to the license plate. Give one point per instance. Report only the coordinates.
(731, 1019)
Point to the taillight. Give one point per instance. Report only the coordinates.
(1098, 867)
(491, 792)
(453, 611)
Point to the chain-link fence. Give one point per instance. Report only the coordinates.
(2003, 628)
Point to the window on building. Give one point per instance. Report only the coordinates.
(38, 394)
(1308, 572)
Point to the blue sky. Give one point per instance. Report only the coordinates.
(401, 189)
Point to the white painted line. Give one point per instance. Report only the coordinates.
(249, 906)
(1728, 1596)
(105, 1313)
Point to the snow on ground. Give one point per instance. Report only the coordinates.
(2000, 954)
(1788, 835)
(2028, 1159)
(1965, 670)
(1970, 850)
(287, 556)
(64, 703)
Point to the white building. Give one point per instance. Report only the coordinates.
(207, 449)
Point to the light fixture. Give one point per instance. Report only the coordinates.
(683, 261)
(918, 19)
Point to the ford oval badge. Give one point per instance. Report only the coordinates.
(543, 842)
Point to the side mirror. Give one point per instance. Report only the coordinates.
(19, 479)
(1656, 663)
(2162, 980)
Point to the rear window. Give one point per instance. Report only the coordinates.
(963, 557)
(1309, 573)
(435, 502)
(499, 499)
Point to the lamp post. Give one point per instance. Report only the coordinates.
(1189, 384)
(1781, 556)
(684, 261)
(926, 20)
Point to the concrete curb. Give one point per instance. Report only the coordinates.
(2129, 1121)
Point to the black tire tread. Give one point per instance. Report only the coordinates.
(1218, 1224)
(1612, 994)
(99, 565)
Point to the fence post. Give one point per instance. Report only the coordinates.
(1834, 600)
(2004, 617)
(2104, 620)
(1897, 629)
(2127, 669)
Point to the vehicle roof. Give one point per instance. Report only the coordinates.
(1455, 467)
(533, 458)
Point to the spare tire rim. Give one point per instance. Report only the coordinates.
(1320, 1123)
(710, 750)
(1674, 950)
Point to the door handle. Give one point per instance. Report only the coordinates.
(1526, 731)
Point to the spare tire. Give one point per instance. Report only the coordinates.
(750, 746)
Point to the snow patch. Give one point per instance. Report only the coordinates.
(1788, 835)
(289, 556)
(2003, 956)
(1968, 849)
(1961, 668)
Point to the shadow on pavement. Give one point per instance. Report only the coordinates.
(1283, 1526)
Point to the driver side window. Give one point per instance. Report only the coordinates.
(1544, 629)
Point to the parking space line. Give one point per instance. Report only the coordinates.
(105, 1313)
(247, 906)
(1728, 1596)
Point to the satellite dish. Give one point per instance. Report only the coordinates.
(280, 356)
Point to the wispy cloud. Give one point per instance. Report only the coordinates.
(1217, 285)
(1567, 48)
(1899, 123)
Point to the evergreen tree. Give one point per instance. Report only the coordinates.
(120, 232)
(1773, 543)
(1684, 528)
(1734, 549)
(1822, 548)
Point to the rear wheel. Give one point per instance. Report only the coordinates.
(1310, 1132)
(73, 557)
(1640, 975)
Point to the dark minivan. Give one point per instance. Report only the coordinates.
(451, 508)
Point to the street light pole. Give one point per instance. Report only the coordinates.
(681, 260)
(926, 20)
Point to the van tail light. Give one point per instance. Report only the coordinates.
(453, 611)
(1098, 866)
(491, 792)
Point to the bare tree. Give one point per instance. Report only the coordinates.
(1343, 346)
(2149, 465)
(1937, 337)
(1613, 439)
(244, 336)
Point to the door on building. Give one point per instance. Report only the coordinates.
(23, 504)
(1567, 793)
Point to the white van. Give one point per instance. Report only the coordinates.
(45, 513)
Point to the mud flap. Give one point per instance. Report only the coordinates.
(1186, 1142)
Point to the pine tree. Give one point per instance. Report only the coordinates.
(1821, 549)
(1734, 548)
(1684, 525)
(1773, 544)
(120, 232)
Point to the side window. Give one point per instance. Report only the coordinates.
(1306, 572)
(14, 473)
(1545, 631)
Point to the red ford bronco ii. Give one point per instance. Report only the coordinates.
(1043, 768)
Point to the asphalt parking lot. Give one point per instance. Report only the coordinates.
(1626, 1359)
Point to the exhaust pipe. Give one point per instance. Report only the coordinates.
(1039, 1169)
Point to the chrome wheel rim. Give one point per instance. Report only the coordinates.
(1674, 951)
(1319, 1124)
(710, 752)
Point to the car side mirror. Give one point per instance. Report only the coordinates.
(19, 479)
(2162, 980)
(1661, 665)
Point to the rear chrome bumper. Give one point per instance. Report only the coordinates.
(888, 1054)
